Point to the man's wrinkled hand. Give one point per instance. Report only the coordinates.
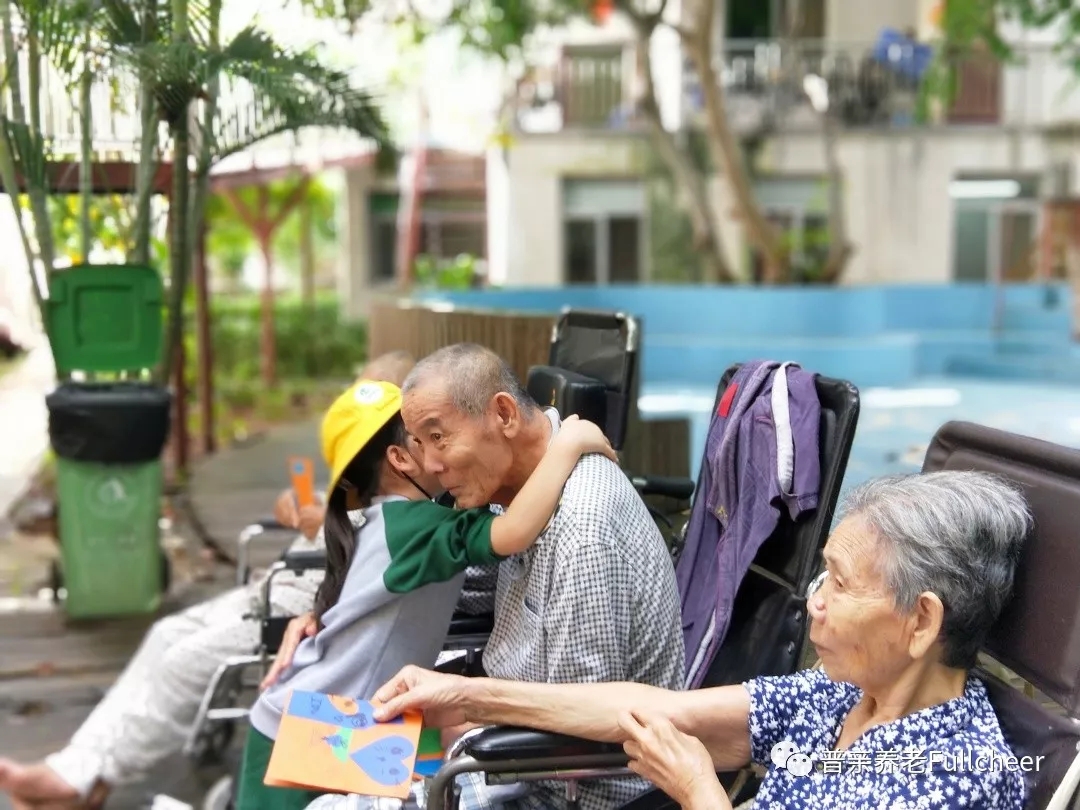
(678, 764)
(286, 511)
(440, 697)
(303, 626)
(310, 520)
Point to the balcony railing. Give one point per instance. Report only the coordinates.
(116, 126)
(868, 85)
(582, 90)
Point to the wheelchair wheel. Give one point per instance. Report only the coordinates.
(220, 795)
(212, 747)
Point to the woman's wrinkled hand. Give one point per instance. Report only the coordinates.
(675, 762)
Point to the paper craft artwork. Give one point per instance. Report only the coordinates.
(333, 743)
(302, 477)
(429, 753)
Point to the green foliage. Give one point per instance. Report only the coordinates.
(111, 221)
(969, 24)
(672, 257)
(228, 240)
(458, 273)
(497, 28)
(312, 342)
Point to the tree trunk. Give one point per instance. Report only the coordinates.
(35, 186)
(180, 244)
(86, 179)
(724, 147)
(840, 249)
(205, 360)
(268, 344)
(8, 156)
(689, 182)
(148, 142)
(179, 253)
(307, 255)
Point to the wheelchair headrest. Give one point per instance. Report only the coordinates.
(1038, 634)
(569, 393)
(602, 346)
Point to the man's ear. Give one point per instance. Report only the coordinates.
(507, 414)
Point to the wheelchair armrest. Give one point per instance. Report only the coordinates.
(252, 530)
(462, 624)
(304, 560)
(669, 486)
(511, 742)
(269, 524)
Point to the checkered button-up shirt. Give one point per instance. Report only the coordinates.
(594, 600)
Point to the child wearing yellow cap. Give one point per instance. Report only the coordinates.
(391, 586)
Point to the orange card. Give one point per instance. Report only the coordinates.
(302, 473)
(332, 743)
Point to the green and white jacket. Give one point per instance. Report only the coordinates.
(395, 605)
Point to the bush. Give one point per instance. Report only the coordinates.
(312, 341)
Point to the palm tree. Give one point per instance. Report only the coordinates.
(215, 99)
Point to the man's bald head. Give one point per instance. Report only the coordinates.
(471, 375)
(480, 431)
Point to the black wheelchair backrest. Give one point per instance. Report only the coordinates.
(601, 347)
(1037, 635)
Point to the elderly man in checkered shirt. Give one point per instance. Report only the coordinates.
(595, 599)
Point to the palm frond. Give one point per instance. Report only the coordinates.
(274, 90)
(272, 111)
(123, 21)
(28, 151)
(59, 28)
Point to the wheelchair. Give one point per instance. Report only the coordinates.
(592, 372)
(767, 635)
(1036, 639)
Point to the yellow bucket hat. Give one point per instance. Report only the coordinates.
(351, 422)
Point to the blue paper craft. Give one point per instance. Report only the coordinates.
(384, 761)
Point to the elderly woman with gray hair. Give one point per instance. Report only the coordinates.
(916, 574)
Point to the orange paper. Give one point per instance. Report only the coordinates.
(302, 473)
(332, 743)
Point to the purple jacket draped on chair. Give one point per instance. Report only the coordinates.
(761, 457)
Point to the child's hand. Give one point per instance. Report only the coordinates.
(584, 437)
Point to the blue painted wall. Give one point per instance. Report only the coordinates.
(881, 335)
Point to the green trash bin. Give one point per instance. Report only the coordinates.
(107, 429)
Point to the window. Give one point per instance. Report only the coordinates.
(995, 228)
(448, 228)
(581, 252)
(766, 19)
(603, 250)
(603, 231)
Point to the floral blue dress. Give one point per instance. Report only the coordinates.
(948, 756)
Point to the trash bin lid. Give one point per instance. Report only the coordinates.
(105, 318)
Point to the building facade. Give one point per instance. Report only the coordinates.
(975, 190)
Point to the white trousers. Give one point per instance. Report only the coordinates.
(148, 713)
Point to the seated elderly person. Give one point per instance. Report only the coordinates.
(595, 598)
(916, 575)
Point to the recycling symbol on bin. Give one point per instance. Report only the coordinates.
(108, 497)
